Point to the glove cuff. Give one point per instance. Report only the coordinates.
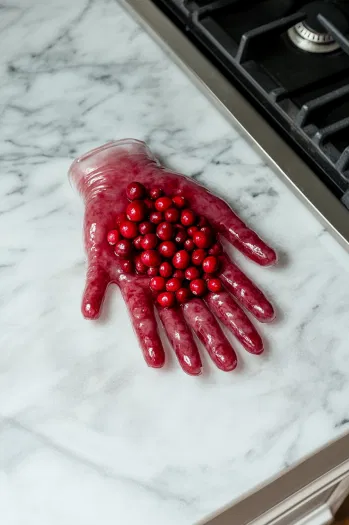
(93, 172)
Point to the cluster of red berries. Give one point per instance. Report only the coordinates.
(161, 237)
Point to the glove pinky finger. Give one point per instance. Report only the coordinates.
(96, 284)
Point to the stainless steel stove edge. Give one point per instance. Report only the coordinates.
(277, 153)
(310, 493)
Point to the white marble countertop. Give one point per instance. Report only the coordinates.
(89, 434)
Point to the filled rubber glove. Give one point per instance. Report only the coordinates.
(102, 177)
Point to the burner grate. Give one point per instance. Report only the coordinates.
(336, 34)
(305, 94)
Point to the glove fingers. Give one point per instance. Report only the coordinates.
(207, 329)
(140, 305)
(243, 289)
(247, 241)
(231, 226)
(97, 281)
(235, 319)
(181, 339)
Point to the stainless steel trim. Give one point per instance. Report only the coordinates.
(339, 495)
(279, 155)
(322, 478)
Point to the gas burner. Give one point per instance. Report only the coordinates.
(310, 35)
(308, 40)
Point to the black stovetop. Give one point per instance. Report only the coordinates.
(304, 94)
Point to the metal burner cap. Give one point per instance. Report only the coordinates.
(310, 40)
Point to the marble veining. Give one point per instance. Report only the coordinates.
(87, 433)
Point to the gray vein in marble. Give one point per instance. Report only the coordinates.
(108, 473)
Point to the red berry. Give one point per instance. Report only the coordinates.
(135, 190)
(191, 230)
(207, 276)
(123, 248)
(157, 284)
(202, 221)
(207, 229)
(167, 249)
(149, 204)
(192, 273)
(128, 229)
(163, 203)
(127, 266)
(180, 236)
(149, 241)
(140, 267)
(188, 217)
(136, 211)
(183, 295)
(151, 258)
(181, 260)
(198, 256)
(202, 239)
(152, 271)
(214, 285)
(156, 217)
(172, 215)
(113, 237)
(121, 218)
(137, 242)
(173, 284)
(216, 249)
(165, 231)
(198, 287)
(155, 193)
(179, 274)
(166, 269)
(166, 299)
(210, 264)
(179, 201)
(146, 227)
(189, 245)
